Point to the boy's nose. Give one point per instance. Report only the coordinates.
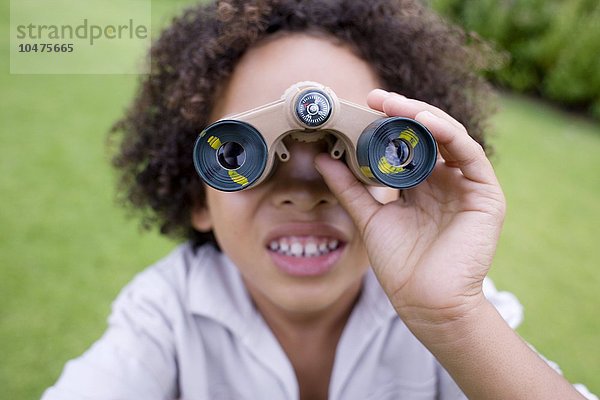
(296, 183)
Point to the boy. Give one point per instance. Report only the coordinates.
(393, 308)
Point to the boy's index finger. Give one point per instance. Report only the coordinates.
(376, 98)
(460, 150)
(396, 105)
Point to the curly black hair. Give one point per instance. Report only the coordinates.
(412, 50)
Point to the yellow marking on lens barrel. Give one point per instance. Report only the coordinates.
(214, 142)
(203, 133)
(237, 178)
(410, 136)
(366, 171)
(387, 168)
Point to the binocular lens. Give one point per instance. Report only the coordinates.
(230, 155)
(398, 152)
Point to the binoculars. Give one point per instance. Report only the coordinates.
(239, 152)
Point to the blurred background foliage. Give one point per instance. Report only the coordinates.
(552, 47)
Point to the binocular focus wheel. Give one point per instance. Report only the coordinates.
(230, 155)
(398, 152)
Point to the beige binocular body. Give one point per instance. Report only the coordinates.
(239, 151)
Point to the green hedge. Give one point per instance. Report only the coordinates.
(553, 45)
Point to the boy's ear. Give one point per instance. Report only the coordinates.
(201, 220)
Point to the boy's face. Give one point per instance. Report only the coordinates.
(296, 247)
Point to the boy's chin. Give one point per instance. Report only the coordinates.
(307, 308)
(309, 300)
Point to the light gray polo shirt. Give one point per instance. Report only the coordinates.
(186, 328)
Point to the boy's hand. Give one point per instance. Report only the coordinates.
(432, 247)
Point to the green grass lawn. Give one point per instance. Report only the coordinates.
(66, 249)
(549, 165)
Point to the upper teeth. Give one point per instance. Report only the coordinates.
(305, 247)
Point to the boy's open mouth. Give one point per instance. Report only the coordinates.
(306, 246)
(305, 255)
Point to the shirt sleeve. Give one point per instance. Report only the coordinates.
(135, 358)
(511, 310)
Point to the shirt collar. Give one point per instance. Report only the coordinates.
(216, 291)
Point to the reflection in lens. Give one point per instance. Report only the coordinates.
(398, 153)
(231, 155)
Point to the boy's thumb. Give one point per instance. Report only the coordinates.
(350, 192)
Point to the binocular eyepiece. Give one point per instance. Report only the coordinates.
(238, 152)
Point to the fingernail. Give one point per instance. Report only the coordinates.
(317, 168)
(317, 164)
(398, 95)
(381, 92)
